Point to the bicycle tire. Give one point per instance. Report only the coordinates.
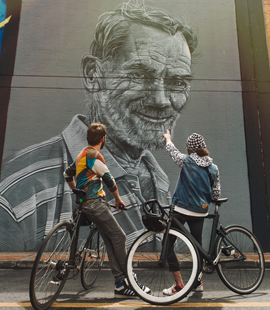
(242, 274)
(143, 268)
(49, 272)
(93, 259)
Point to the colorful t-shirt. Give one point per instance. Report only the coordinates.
(90, 170)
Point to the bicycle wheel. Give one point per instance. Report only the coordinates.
(143, 266)
(93, 258)
(49, 272)
(241, 264)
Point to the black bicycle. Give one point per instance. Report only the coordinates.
(61, 254)
(233, 251)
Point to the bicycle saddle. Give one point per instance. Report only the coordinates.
(220, 201)
(80, 194)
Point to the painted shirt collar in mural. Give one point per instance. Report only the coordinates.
(75, 138)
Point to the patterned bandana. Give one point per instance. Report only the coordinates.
(195, 142)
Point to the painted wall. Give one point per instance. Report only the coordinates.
(48, 90)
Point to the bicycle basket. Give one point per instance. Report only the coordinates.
(153, 219)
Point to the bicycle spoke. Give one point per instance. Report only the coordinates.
(93, 257)
(50, 271)
(143, 266)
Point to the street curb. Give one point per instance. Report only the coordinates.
(27, 262)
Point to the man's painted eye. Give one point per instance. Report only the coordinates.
(177, 83)
(137, 76)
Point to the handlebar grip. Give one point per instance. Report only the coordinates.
(155, 202)
(120, 208)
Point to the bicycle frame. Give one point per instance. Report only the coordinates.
(163, 254)
(215, 231)
(74, 242)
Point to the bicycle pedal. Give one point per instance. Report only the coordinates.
(55, 283)
(53, 264)
(228, 250)
(89, 251)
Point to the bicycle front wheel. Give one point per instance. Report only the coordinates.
(50, 271)
(144, 269)
(93, 258)
(241, 265)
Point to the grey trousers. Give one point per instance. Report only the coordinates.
(99, 212)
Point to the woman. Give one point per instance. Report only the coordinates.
(197, 185)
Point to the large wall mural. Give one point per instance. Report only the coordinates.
(152, 66)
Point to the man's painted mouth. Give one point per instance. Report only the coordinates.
(152, 118)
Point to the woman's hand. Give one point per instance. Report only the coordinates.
(167, 136)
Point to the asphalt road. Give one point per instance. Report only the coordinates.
(14, 294)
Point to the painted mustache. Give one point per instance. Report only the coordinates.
(150, 113)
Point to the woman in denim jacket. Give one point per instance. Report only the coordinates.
(197, 185)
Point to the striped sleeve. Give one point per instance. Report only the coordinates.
(70, 172)
(100, 169)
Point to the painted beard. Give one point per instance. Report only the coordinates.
(138, 126)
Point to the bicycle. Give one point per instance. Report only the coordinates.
(233, 251)
(59, 254)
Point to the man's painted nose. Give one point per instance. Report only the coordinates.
(158, 97)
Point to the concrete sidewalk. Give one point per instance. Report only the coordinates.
(17, 260)
(26, 260)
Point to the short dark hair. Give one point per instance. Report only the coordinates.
(95, 132)
(112, 29)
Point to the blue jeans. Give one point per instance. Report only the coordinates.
(99, 212)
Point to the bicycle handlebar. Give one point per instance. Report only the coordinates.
(154, 203)
(120, 208)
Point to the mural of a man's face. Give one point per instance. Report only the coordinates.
(146, 86)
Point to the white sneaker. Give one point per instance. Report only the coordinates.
(198, 288)
(172, 290)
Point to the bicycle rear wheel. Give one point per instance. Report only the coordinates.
(143, 267)
(93, 258)
(49, 272)
(241, 265)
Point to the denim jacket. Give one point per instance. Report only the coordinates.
(193, 191)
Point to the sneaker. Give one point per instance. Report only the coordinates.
(146, 289)
(123, 290)
(172, 290)
(199, 287)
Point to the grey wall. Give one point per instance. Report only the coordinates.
(47, 90)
